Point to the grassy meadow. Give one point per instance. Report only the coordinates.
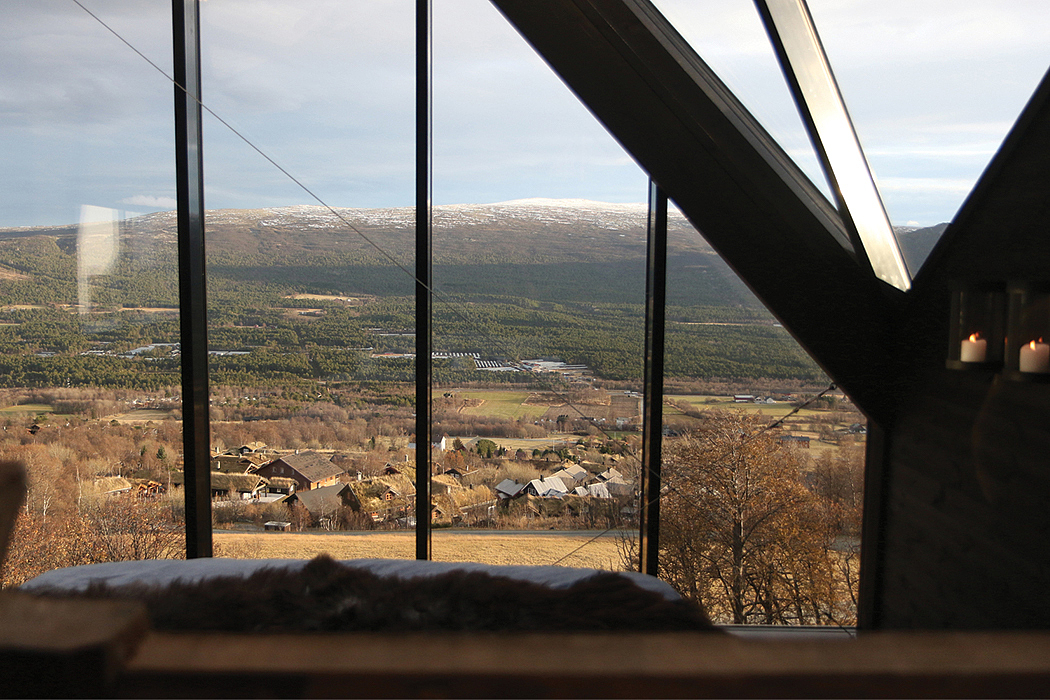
(33, 408)
(533, 550)
(502, 404)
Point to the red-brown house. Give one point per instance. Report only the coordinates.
(310, 470)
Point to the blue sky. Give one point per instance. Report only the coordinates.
(326, 88)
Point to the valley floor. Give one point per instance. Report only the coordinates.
(518, 548)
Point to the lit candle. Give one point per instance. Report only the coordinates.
(1035, 357)
(974, 349)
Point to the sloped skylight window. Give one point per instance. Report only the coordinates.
(932, 88)
(730, 38)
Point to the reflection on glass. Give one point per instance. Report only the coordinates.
(89, 383)
(310, 319)
(760, 520)
(98, 243)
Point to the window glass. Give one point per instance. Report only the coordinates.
(730, 38)
(310, 317)
(932, 90)
(762, 462)
(539, 265)
(932, 93)
(90, 381)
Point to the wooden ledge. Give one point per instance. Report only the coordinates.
(66, 648)
(589, 665)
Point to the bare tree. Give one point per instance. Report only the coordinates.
(742, 534)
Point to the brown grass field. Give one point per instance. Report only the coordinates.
(140, 415)
(534, 550)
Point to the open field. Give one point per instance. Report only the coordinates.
(801, 423)
(776, 410)
(534, 550)
(527, 444)
(28, 408)
(504, 404)
(140, 416)
(326, 297)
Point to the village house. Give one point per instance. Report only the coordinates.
(439, 445)
(444, 483)
(323, 503)
(280, 486)
(228, 486)
(546, 488)
(251, 447)
(237, 463)
(618, 486)
(508, 489)
(309, 470)
(597, 490)
(571, 474)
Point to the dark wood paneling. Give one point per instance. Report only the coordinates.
(968, 474)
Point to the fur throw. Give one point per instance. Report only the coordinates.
(325, 596)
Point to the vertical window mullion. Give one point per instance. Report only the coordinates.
(424, 173)
(653, 379)
(189, 176)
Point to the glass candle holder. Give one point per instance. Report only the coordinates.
(1028, 333)
(975, 341)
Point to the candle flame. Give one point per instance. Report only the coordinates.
(1032, 344)
(973, 337)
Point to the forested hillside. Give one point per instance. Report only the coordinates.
(297, 295)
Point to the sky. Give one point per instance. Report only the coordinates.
(325, 87)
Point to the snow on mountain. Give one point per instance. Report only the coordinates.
(305, 217)
(447, 216)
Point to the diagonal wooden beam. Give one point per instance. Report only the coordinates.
(641, 80)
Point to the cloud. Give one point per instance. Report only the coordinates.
(145, 200)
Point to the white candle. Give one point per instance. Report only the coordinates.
(974, 349)
(1035, 357)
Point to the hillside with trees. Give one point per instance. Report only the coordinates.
(298, 296)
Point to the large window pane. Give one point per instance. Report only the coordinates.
(89, 388)
(310, 317)
(760, 514)
(539, 263)
(730, 38)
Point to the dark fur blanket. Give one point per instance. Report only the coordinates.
(326, 596)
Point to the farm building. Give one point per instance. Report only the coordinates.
(326, 500)
(799, 440)
(112, 485)
(309, 470)
(226, 486)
